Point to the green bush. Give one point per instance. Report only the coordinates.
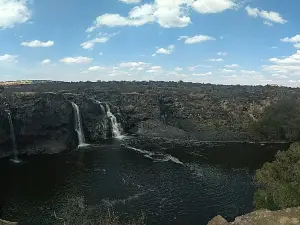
(280, 181)
(280, 121)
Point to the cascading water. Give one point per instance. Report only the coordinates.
(116, 127)
(78, 126)
(13, 137)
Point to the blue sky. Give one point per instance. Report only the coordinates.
(210, 41)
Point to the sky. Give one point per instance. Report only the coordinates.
(250, 42)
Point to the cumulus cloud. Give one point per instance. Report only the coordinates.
(297, 45)
(133, 64)
(46, 61)
(222, 53)
(96, 68)
(130, 1)
(232, 66)
(167, 13)
(269, 16)
(76, 60)
(212, 6)
(38, 44)
(288, 65)
(8, 58)
(178, 69)
(227, 71)
(248, 72)
(216, 60)
(196, 39)
(202, 74)
(13, 12)
(295, 39)
(103, 38)
(165, 51)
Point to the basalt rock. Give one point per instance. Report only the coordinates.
(44, 122)
(290, 216)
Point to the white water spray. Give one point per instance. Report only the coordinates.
(116, 127)
(78, 126)
(13, 138)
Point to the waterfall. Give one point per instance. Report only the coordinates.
(13, 137)
(78, 126)
(116, 127)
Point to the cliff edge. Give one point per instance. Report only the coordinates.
(288, 216)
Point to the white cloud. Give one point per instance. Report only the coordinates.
(202, 74)
(13, 12)
(295, 39)
(46, 61)
(232, 66)
(268, 23)
(96, 68)
(133, 64)
(216, 60)
(227, 71)
(297, 45)
(130, 1)
(166, 51)
(8, 58)
(178, 69)
(274, 47)
(156, 67)
(151, 71)
(269, 16)
(222, 53)
(38, 44)
(196, 39)
(212, 6)
(167, 13)
(101, 53)
(288, 65)
(102, 39)
(76, 60)
(293, 59)
(248, 72)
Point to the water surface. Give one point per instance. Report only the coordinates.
(170, 183)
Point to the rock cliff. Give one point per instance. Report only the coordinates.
(44, 119)
(44, 122)
(290, 216)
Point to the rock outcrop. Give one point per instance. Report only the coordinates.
(290, 216)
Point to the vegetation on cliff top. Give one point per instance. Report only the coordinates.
(280, 181)
(280, 121)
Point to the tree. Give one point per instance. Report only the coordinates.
(279, 181)
(280, 121)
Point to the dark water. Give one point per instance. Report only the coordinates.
(169, 183)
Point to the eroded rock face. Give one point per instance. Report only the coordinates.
(290, 216)
(41, 123)
(44, 123)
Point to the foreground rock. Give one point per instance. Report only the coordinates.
(289, 216)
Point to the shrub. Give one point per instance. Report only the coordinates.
(280, 181)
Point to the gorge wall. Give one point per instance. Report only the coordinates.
(43, 116)
(44, 122)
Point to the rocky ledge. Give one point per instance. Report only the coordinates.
(290, 216)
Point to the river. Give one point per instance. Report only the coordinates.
(168, 183)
